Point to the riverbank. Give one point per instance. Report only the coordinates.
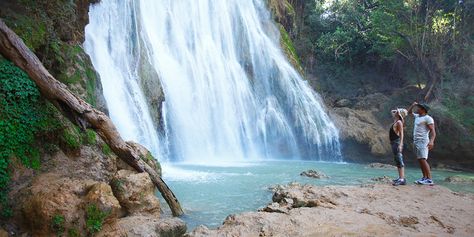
(367, 210)
(244, 186)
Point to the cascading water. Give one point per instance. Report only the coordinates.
(229, 91)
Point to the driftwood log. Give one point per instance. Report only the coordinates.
(78, 111)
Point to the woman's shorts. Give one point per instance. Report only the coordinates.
(397, 155)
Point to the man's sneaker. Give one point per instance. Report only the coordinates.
(420, 181)
(399, 182)
(395, 180)
(427, 182)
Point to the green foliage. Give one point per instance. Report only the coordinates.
(57, 224)
(24, 115)
(72, 138)
(355, 32)
(70, 55)
(461, 110)
(51, 29)
(106, 150)
(74, 78)
(32, 31)
(289, 48)
(90, 137)
(281, 8)
(91, 87)
(149, 156)
(395, 44)
(95, 218)
(73, 232)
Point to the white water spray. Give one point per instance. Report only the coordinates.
(230, 93)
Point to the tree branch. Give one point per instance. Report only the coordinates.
(78, 111)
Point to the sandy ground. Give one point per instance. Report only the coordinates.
(369, 210)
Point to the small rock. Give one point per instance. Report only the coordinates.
(275, 207)
(274, 188)
(408, 221)
(297, 195)
(382, 179)
(313, 174)
(460, 179)
(381, 166)
(364, 211)
(342, 103)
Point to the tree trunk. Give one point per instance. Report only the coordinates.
(78, 111)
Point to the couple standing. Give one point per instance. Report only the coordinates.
(424, 135)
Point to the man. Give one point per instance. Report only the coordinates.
(424, 135)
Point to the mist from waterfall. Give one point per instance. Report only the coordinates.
(230, 93)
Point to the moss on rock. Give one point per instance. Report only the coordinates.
(54, 31)
(289, 48)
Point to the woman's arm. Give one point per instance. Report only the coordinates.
(401, 134)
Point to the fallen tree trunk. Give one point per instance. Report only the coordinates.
(78, 111)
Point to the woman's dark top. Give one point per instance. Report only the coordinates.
(392, 134)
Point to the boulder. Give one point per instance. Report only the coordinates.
(50, 196)
(377, 165)
(314, 174)
(101, 195)
(135, 193)
(361, 132)
(460, 179)
(296, 195)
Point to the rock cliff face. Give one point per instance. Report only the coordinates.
(77, 188)
(363, 135)
(81, 188)
(364, 121)
(360, 103)
(285, 16)
(54, 30)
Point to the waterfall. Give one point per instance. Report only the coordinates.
(229, 92)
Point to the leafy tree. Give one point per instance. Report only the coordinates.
(432, 38)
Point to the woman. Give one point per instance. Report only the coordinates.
(396, 140)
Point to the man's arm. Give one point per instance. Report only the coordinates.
(432, 129)
(410, 109)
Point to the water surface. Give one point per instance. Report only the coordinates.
(209, 193)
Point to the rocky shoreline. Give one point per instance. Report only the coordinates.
(368, 210)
